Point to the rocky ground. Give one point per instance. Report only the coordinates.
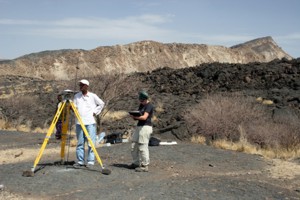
(182, 171)
(172, 92)
(176, 90)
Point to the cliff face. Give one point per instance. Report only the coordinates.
(259, 50)
(136, 57)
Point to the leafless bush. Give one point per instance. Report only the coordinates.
(290, 136)
(223, 116)
(270, 135)
(11, 109)
(218, 116)
(111, 88)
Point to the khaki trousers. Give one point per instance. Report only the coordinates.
(139, 146)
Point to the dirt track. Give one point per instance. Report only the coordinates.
(183, 171)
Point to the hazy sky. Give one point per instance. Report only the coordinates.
(29, 26)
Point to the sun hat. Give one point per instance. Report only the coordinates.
(84, 81)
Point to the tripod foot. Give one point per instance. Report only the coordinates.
(106, 171)
(28, 173)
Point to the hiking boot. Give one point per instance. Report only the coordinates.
(142, 169)
(133, 166)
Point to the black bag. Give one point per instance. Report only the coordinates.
(154, 141)
(114, 138)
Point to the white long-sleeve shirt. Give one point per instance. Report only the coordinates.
(88, 105)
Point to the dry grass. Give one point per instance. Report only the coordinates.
(40, 130)
(236, 146)
(73, 142)
(23, 128)
(3, 124)
(199, 139)
(115, 115)
(252, 149)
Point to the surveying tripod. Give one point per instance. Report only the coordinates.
(64, 111)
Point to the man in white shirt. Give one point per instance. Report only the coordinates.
(88, 105)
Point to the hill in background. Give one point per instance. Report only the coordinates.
(140, 56)
(177, 76)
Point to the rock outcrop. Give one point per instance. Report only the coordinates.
(140, 56)
(32, 101)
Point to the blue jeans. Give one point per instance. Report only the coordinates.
(81, 140)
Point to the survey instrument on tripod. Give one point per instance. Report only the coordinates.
(64, 110)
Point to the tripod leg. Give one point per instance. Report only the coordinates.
(48, 135)
(86, 134)
(65, 124)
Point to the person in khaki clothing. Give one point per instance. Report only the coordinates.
(141, 135)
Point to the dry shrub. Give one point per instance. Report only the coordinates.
(111, 89)
(219, 116)
(241, 146)
(11, 111)
(283, 136)
(232, 121)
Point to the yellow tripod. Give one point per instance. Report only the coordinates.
(64, 110)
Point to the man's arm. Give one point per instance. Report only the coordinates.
(99, 105)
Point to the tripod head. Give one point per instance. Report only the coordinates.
(67, 94)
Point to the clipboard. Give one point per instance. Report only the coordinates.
(135, 113)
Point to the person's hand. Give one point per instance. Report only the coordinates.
(133, 117)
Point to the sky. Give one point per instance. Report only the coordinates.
(31, 26)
